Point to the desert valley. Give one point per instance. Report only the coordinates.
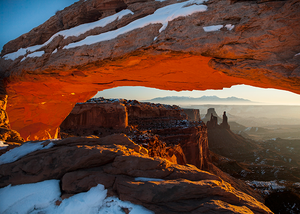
(63, 150)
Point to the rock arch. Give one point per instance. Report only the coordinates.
(253, 43)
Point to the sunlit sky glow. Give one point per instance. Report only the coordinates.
(20, 16)
(258, 95)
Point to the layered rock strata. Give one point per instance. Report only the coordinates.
(193, 114)
(96, 115)
(118, 164)
(162, 129)
(170, 45)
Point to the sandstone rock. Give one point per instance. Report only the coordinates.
(82, 163)
(186, 142)
(256, 44)
(211, 111)
(184, 196)
(55, 162)
(82, 180)
(6, 134)
(192, 140)
(99, 115)
(147, 115)
(4, 121)
(10, 135)
(193, 114)
(236, 183)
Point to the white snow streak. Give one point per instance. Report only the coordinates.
(34, 54)
(217, 27)
(229, 26)
(147, 179)
(18, 152)
(212, 28)
(160, 16)
(76, 31)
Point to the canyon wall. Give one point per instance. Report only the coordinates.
(96, 115)
(150, 123)
(193, 114)
(205, 45)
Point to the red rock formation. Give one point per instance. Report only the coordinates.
(192, 140)
(115, 161)
(193, 114)
(150, 115)
(96, 115)
(6, 134)
(170, 135)
(260, 50)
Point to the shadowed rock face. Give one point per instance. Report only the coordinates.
(257, 43)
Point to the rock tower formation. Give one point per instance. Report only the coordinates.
(213, 122)
(224, 123)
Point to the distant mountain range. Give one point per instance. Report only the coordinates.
(203, 99)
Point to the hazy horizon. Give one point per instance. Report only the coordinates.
(258, 96)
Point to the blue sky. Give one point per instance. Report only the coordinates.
(20, 16)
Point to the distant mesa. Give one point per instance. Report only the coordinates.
(211, 111)
(203, 99)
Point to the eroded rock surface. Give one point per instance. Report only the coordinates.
(121, 165)
(163, 129)
(215, 44)
(96, 115)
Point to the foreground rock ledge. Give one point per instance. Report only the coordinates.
(115, 162)
(256, 43)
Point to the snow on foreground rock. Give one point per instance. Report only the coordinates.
(23, 150)
(42, 197)
(76, 166)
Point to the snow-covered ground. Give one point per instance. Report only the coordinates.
(42, 197)
(147, 179)
(265, 186)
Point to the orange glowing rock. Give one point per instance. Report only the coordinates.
(255, 46)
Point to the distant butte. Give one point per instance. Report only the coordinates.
(201, 45)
